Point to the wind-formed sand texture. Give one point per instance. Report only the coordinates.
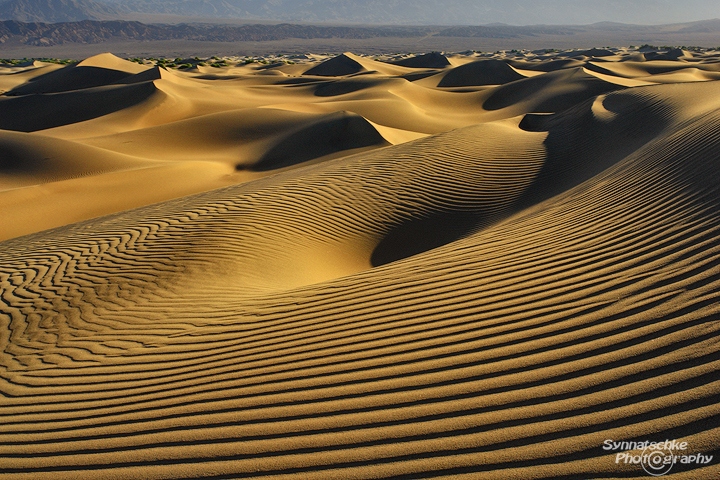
(440, 266)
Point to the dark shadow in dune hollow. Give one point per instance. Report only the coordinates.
(335, 133)
(64, 108)
(579, 146)
(68, 79)
(419, 235)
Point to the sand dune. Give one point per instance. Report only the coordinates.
(426, 60)
(343, 270)
(97, 71)
(350, 64)
(482, 72)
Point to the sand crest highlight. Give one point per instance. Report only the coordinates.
(360, 268)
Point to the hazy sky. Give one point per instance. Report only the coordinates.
(591, 11)
(517, 12)
(431, 12)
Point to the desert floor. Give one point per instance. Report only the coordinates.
(353, 267)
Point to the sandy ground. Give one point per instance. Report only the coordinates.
(354, 267)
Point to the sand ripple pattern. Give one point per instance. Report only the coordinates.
(492, 301)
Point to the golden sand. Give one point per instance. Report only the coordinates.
(344, 268)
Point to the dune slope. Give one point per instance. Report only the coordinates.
(495, 300)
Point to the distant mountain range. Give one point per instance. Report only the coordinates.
(55, 22)
(377, 12)
(92, 31)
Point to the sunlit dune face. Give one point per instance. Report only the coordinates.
(413, 266)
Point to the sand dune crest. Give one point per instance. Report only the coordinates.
(481, 269)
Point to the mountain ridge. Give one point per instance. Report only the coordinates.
(394, 12)
(14, 32)
(91, 31)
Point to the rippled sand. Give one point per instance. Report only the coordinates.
(426, 267)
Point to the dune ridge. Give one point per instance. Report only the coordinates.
(366, 275)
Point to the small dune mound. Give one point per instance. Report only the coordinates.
(672, 54)
(343, 86)
(427, 60)
(108, 61)
(482, 72)
(96, 71)
(550, 92)
(29, 113)
(646, 69)
(341, 65)
(33, 159)
(602, 131)
(546, 65)
(247, 139)
(69, 79)
(334, 133)
(593, 52)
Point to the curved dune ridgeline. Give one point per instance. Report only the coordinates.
(348, 268)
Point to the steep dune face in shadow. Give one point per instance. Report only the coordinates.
(398, 282)
(345, 64)
(35, 112)
(427, 60)
(336, 132)
(550, 92)
(482, 72)
(27, 160)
